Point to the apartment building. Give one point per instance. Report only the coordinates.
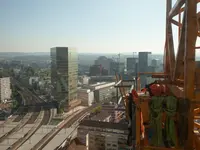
(115, 134)
(5, 90)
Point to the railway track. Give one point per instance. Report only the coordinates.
(70, 120)
(20, 114)
(32, 130)
(24, 117)
(45, 121)
(39, 122)
(33, 117)
(66, 142)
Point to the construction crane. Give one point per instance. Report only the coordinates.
(173, 103)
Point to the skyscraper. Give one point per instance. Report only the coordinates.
(64, 74)
(143, 66)
(131, 64)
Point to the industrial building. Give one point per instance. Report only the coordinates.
(5, 89)
(64, 74)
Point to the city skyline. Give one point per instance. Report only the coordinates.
(100, 26)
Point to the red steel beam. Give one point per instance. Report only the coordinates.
(176, 23)
(175, 10)
(169, 41)
(197, 141)
(190, 65)
(196, 117)
(159, 76)
(176, 91)
(178, 72)
(150, 73)
(158, 148)
(196, 110)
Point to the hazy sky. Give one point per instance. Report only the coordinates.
(89, 25)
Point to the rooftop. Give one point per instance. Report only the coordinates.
(99, 85)
(108, 125)
(101, 116)
(76, 145)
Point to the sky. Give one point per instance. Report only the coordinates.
(95, 26)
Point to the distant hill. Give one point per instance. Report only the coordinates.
(84, 58)
(14, 54)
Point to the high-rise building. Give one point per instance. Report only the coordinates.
(97, 70)
(116, 67)
(104, 62)
(64, 74)
(143, 66)
(5, 90)
(131, 64)
(154, 62)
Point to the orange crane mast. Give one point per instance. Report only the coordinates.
(181, 74)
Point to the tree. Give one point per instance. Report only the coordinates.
(30, 71)
(35, 86)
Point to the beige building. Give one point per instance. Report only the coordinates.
(86, 96)
(105, 141)
(5, 90)
(98, 135)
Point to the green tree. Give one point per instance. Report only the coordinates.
(30, 71)
(15, 104)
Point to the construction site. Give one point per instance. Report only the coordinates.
(164, 114)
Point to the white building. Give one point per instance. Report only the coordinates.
(86, 80)
(107, 141)
(16, 71)
(86, 96)
(103, 135)
(33, 79)
(5, 90)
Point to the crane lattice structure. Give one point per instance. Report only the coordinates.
(181, 77)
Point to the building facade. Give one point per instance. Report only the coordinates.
(97, 70)
(5, 90)
(106, 141)
(64, 74)
(131, 64)
(104, 62)
(143, 66)
(116, 67)
(102, 135)
(86, 96)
